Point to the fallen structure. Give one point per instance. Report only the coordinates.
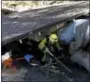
(39, 22)
(36, 24)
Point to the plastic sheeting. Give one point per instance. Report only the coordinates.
(28, 57)
(82, 58)
(68, 34)
(78, 48)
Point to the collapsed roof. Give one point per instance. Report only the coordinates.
(29, 23)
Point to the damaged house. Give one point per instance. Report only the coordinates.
(47, 44)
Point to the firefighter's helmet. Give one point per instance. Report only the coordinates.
(53, 38)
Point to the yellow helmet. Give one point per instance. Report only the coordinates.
(53, 38)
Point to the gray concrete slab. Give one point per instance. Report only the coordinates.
(22, 24)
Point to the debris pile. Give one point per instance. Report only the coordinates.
(49, 58)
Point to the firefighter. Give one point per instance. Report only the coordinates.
(52, 43)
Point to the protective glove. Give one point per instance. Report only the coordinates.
(41, 45)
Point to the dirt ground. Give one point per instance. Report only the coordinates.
(25, 72)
